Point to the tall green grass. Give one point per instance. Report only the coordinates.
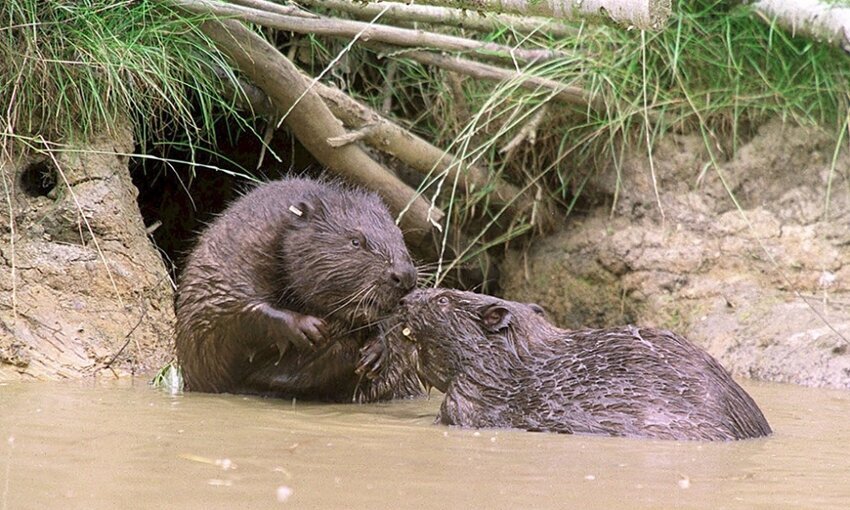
(73, 68)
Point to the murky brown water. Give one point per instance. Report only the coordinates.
(125, 446)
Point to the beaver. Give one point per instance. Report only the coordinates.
(502, 364)
(285, 292)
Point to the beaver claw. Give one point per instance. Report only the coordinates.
(288, 327)
(306, 331)
(373, 357)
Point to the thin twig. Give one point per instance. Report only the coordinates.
(647, 126)
(286, 10)
(528, 132)
(128, 336)
(563, 93)
(8, 131)
(389, 85)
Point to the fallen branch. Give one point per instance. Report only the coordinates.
(289, 10)
(365, 31)
(417, 153)
(642, 14)
(528, 133)
(462, 18)
(813, 18)
(312, 123)
(562, 93)
(386, 136)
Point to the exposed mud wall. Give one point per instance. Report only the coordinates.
(79, 277)
(765, 288)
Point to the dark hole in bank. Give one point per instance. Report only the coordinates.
(38, 179)
(180, 192)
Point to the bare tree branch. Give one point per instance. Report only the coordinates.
(312, 123)
(386, 136)
(266, 5)
(813, 18)
(463, 18)
(365, 31)
(420, 155)
(642, 14)
(563, 93)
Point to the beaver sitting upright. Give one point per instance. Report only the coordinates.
(284, 290)
(501, 364)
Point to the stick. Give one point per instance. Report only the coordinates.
(367, 31)
(289, 10)
(565, 93)
(416, 152)
(312, 124)
(463, 18)
(812, 18)
(641, 14)
(386, 136)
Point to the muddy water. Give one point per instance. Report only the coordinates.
(130, 446)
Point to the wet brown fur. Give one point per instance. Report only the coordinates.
(501, 364)
(339, 260)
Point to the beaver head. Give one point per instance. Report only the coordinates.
(344, 257)
(454, 330)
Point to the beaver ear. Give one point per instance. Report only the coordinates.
(537, 309)
(495, 318)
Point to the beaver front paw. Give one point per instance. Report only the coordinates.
(373, 358)
(304, 331)
(287, 328)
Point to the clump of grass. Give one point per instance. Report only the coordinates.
(169, 378)
(73, 68)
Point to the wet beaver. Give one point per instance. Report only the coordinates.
(283, 293)
(501, 364)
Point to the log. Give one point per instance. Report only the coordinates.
(312, 123)
(815, 19)
(641, 14)
(461, 18)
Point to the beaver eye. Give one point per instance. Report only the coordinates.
(442, 300)
(358, 240)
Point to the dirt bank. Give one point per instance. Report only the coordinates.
(79, 275)
(765, 288)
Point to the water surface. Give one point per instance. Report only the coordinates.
(127, 446)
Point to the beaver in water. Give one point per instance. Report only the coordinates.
(501, 364)
(285, 291)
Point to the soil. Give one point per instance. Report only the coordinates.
(763, 285)
(73, 292)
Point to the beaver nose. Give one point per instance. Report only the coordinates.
(404, 277)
